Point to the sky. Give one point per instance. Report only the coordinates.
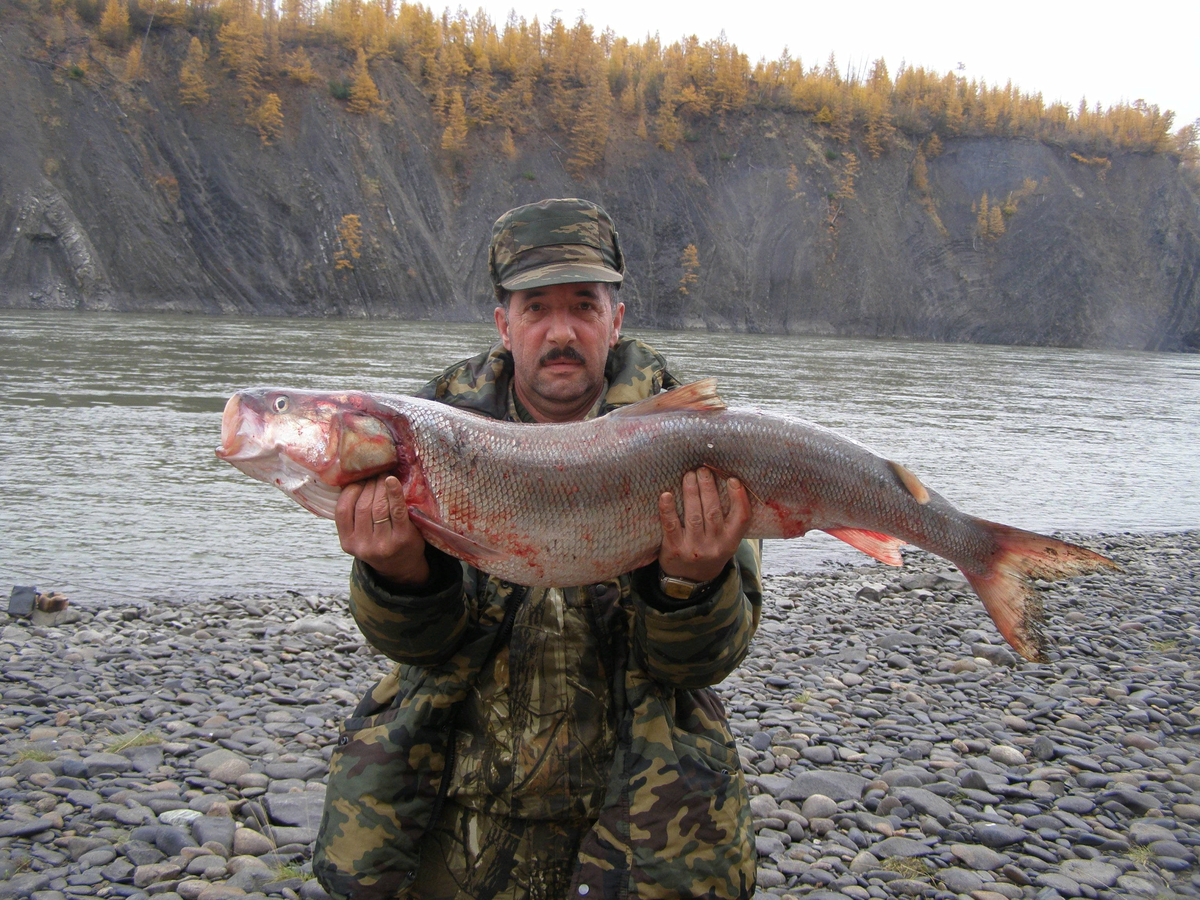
(1106, 52)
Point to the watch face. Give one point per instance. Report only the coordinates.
(677, 588)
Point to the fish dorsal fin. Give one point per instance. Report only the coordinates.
(699, 396)
(911, 483)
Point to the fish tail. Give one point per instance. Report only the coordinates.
(1006, 586)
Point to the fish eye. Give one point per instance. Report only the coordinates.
(281, 404)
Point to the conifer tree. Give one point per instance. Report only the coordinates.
(242, 50)
(114, 24)
(589, 130)
(995, 221)
(364, 95)
(454, 138)
(133, 63)
(269, 119)
(507, 147)
(193, 86)
(299, 69)
(690, 260)
(669, 130)
(982, 218)
(350, 238)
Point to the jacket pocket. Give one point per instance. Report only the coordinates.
(384, 777)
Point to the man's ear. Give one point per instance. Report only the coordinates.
(618, 318)
(502, 327)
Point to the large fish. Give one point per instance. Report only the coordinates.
(577, 503)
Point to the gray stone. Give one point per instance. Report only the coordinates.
(140, 853)
(26, 827)
(248, 842)
(24, 884)
(1149, 832)
(959, 880)
(106, 763)
(923, 801)
(144, 876)
(218, 829)
(304, 769)
(179, 818)
(981, 859)
(1007, 756)
(835, 785)
(818, 806)
(1066, 886)
(300, 809)
(1091, 872)
(216, 758)
(996, 836)
(900, 846)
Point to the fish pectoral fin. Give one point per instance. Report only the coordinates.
(882, 547)
(695, 397)
(452, 542)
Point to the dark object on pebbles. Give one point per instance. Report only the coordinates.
(21, 600)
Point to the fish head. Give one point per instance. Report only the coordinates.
(307, 444)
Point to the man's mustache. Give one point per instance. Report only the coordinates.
(568, 353)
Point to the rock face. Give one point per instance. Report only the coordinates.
(116, 197)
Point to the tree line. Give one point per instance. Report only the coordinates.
(479, 76)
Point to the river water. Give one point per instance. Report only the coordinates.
(109, 488)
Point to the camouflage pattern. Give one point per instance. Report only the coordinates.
(589, 737)
(554, 242)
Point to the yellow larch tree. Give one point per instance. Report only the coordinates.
(690, 261)
(454, 138)
(982, 218)
(364, 95)
(114, 24)
(350, 238)
(269, 119)
(133, 63)
(242, 50)
(299, 68)
(193, 86)
(995, 221)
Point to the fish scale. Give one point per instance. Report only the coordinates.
(577, 503)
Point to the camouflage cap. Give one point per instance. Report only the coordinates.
(554, 242)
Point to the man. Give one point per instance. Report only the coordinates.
(587, 756)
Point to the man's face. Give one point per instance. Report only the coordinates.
(559, 336)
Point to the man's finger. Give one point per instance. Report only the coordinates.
(693, 506)
(666, 512)
(710, 498)
(343, 514)
(739, 505)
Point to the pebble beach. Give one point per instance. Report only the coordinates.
(893, 744)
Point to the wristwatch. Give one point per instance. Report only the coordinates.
(680, 588)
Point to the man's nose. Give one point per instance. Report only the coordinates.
(562, 327)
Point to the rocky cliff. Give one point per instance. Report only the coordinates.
(114, 196)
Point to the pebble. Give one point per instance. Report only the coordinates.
(893, 744)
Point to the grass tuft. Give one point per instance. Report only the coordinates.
(120, 742)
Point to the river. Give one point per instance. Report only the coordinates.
(109, 488)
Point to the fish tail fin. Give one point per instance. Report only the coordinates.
(1006, 587)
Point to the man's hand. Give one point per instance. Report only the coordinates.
(699, 547)
(373, 526)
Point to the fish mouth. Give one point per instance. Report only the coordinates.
(241, 432)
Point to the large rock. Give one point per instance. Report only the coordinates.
(835, 785)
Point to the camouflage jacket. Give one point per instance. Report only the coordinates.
(671, 817)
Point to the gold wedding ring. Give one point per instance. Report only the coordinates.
(381, 521)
